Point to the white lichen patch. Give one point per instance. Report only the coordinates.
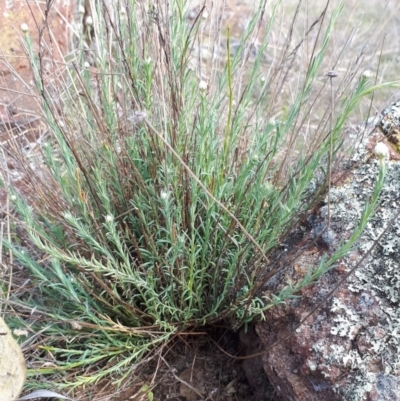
(335, 355)
(352, 359)
(312, 365)
(347, 323)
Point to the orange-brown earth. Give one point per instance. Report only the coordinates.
(20, 19)
(16, 85)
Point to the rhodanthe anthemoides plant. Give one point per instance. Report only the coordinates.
(170, 179)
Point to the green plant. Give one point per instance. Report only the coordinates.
(164, 196)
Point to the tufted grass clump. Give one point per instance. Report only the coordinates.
(167, 180)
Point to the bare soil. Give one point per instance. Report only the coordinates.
(198, 366)
(19, 109)
(16, 83)
(195, 368)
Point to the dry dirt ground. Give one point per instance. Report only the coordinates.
(16, 85)
(18, 98)
(194, 368)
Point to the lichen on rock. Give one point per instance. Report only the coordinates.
(350, 349)
(390, 124)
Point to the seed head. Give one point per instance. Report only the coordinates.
(331, 74)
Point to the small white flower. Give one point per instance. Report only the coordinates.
(89, 20)
(367, 74)
(263, 79)
(81, 9)
(164, 195)
(24, 28)
(86, 64)
(13, 198)
(148, 60)
(203, 85)
(67, 215)
(109, 218)
(381, 151)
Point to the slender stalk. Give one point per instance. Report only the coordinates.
(330, 74)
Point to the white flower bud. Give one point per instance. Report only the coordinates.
(81, 9)
(24, 28)
(89, 20)
(203, 85)
(67, 215)
(381, 151)
(367, 74)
